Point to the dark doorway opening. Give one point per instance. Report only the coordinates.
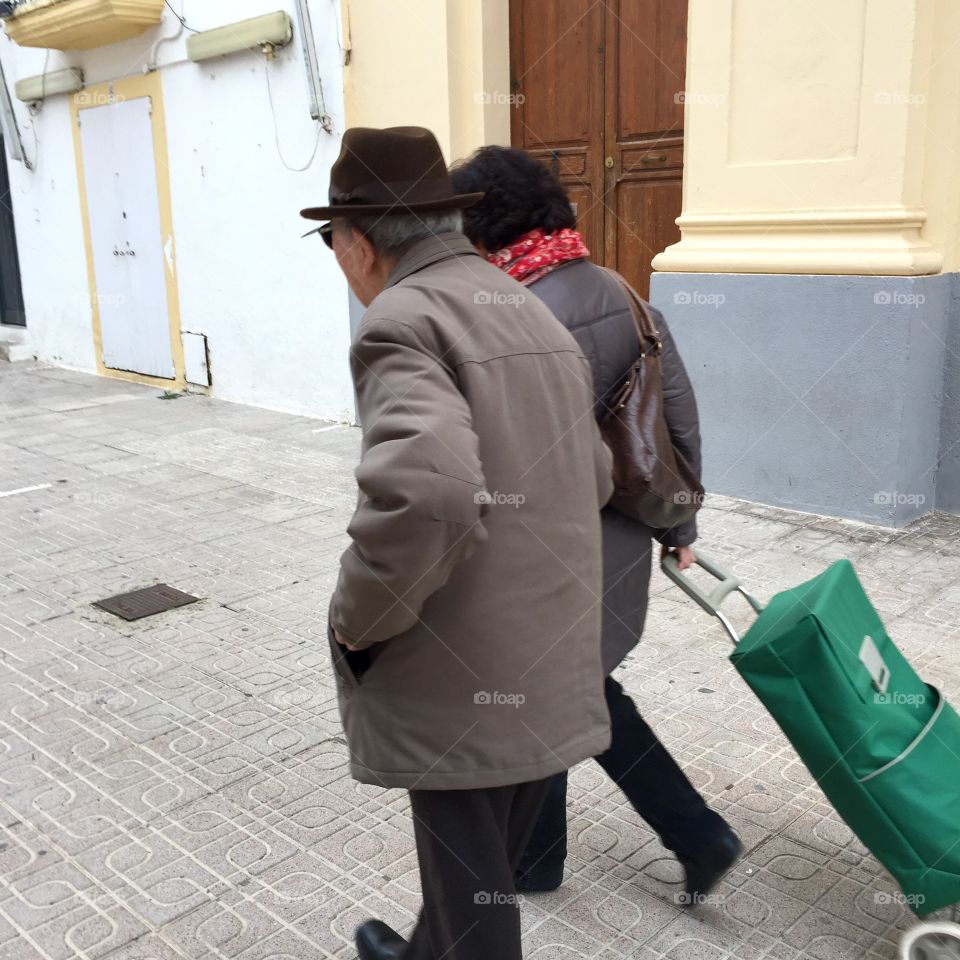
(11, 292)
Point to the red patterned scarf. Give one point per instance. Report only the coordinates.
(537, 253)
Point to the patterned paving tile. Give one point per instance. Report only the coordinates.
(178, 788)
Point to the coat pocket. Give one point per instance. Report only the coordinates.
(919, 794)
(338, 656)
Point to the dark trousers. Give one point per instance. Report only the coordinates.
(469, 844)
(651, 780)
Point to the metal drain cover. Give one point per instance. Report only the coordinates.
(146, 602)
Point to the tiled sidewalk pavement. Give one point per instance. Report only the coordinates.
(177, 788)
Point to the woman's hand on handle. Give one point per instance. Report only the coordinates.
(685, 556)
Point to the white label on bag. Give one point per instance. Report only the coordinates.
(871, 659)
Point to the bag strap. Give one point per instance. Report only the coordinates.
(642, 318)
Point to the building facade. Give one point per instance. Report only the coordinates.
(814, 288)
(157, 222)
(779, 181)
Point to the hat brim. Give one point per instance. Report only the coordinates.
(459, 201)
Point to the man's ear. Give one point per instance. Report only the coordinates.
(366, 254)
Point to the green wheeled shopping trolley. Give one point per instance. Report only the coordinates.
(882, 745)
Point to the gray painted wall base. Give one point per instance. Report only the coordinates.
(836, 395)
(948, 478)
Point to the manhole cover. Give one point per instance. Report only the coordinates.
(145, 602)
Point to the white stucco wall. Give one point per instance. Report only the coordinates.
(274, 307)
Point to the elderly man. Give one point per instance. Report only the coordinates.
(465, 625)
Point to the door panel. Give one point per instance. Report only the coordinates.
(646, 214)
(648, 69)
(126, 236)
(557, 56)
(604, 82)
(644, 132)
(557, 70)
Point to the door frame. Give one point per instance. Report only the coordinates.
(149, 85)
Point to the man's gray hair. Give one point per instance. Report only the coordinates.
(393, 235)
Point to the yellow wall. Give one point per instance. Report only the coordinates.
(822, 139)
(817, 139)
(941, 182)
(442, 64)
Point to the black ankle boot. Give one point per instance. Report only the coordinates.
(541, 877)
(376, 941)
(708, 868)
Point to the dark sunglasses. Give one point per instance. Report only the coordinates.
(326, 232)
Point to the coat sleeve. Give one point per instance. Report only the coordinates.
(420, 481)
(680, 409)
(603, 460)
(602, 454)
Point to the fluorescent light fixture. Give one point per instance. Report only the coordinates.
(310, 61)
(32, 89)
(272, 30)
(8, 124)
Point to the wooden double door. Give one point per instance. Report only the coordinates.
(599, 94)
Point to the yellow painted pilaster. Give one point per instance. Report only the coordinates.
(941, 185)
(805, 138)
(479, 69)
(442, 64)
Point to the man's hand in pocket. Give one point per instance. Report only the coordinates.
(342, 640)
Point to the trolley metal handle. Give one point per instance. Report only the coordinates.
(709, 601)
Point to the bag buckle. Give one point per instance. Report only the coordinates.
(870, 657)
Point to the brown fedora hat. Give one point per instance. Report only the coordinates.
(393, 171)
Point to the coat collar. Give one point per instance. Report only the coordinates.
(431, 250)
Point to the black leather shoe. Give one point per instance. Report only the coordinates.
(706, 871)
(376, 941)
(540, 878)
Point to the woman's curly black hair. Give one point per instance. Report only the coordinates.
(520, 194)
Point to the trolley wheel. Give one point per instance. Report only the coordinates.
(931, 941)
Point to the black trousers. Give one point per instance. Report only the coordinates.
(651, 780)
(469, 844)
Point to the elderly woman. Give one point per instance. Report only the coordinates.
(525, 225)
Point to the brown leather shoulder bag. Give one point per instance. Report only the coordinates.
(653, 482)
